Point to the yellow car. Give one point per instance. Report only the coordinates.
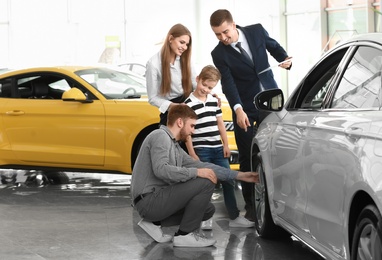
(68, 118)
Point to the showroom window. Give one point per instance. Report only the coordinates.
(347, 18)
(377, 15)
(303, 33)
(4, 32)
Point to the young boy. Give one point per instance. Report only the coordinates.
(209, 143)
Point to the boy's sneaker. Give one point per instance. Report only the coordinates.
(154, 231)
(241, 221)
(206, 225)
(193, 240)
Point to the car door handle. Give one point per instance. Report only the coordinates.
(301, 123)
(353, 133)
(15, 113)
(353, 130)
(301, 127)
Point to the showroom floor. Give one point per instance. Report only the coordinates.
(91, 218)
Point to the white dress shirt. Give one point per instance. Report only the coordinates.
(245, 46)
(154, 79)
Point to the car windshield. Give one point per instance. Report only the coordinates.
(113, 83)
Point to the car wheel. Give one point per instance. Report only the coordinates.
(133, 159)
(367, 239)
(57, 177)
(9, 177)
(264, 224)
(36, 179)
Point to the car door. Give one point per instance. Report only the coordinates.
(287, 143)
(336, 140)
(291, 144)
(52, 131)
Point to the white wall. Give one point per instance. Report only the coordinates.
(39, 32)
(59, 32)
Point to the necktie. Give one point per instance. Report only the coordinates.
(244, 53)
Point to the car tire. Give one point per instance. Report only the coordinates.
(264, 224)
(36, 179)
(57, 177)
(367, 239)
(8, 180)
(136, 152)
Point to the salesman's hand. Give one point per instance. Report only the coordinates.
(242, 119)
(287, 64)
(248, 177)
(208, 174)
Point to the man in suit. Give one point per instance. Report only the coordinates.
(240, 67)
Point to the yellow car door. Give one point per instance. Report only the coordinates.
(55, 132)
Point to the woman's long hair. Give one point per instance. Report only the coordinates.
(185, 61)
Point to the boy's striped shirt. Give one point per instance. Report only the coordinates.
(206, 132)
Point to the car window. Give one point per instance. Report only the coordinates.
(313, 89)
(360, 86)
(5, 88)
(36, 86)
(316, 95)
(40, 87)
(114, 83)
(60, 85)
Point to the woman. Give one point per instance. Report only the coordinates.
(169, 73)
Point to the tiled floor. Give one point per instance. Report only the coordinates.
(91, 218)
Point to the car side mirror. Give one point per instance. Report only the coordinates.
(269, 100)
(74, 94)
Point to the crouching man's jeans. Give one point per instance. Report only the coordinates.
(216, 156)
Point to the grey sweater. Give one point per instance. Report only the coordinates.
(162, 162)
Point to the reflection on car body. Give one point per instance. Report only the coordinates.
(75, 118)
(319, 155)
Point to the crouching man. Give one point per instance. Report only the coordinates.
(171, 188)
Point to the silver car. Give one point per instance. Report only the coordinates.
(319, 155)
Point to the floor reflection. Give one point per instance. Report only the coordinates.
(65, 180)
(88, 216)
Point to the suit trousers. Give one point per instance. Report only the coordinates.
(186, 204)
(243, 142)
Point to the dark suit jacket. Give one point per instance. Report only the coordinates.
(240, 80)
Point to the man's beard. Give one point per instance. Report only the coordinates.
(183, 135)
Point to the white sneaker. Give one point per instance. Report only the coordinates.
(241, 221)
(206, 225)
(154, 231)
(193, 240)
